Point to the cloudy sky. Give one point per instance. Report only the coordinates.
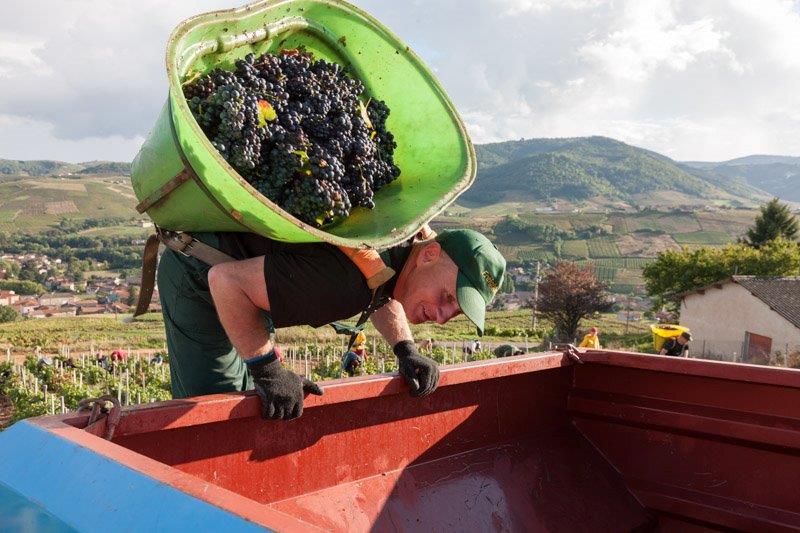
(693, 79)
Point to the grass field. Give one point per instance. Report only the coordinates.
(603, 247)
(605, 274)
(577, 248)
(119, 231)
(702, 237)
(619, 262)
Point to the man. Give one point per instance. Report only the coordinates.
(507, 350)
(218, 319)
(677, 346)
(591, 340)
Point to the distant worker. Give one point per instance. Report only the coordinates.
(677, 346)
(360, 344)
(354, 360)
(157, 360)
(591, 339)
(118, 355)
(426, 345)
(352, 363)
(507, 350)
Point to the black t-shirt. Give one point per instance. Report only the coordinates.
(307, 284)
(674, 348)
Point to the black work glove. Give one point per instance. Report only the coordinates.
(420, 372)
(281, 390)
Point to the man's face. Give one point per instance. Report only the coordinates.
(682, 340)
(430, 292)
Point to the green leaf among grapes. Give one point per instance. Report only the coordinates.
(303, 155)
(266, 113)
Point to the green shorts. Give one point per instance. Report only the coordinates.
(202, 359)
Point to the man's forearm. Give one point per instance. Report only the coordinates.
(390, 320)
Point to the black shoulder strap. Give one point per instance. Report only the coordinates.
(378, 301)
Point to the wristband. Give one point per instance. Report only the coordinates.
(404, 349)
(267, 358)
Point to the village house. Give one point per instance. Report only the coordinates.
(61, 284)
(52, 311)
(8, 297)
(755, 317)
(56, 298)
(90, 308)
(24, 307)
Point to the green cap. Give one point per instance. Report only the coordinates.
(480, 271)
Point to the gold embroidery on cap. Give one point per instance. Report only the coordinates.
(489, 281)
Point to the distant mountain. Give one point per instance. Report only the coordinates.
(11, 167)
(747, 160)
(776, 175)
(587, 168)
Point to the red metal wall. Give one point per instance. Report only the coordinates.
(714, 443)
(493, 454)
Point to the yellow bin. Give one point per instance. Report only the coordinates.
(662, 332)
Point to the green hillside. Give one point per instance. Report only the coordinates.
(594, 169)
(34, 203)
(12, 167)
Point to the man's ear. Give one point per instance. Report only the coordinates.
(430, 253)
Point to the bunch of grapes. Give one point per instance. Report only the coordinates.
(301, 131)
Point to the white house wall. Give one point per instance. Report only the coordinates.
(719, 318)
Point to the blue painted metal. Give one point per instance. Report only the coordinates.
(90, 493)
(18, 514)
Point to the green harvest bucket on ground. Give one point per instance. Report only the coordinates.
(183, 183)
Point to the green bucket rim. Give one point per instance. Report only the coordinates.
(175, 66)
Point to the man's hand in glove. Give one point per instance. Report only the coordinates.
(420, 372)
(281, 390)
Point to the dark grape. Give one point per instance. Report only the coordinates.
(317, 157)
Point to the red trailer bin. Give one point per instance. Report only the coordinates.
(613, 442)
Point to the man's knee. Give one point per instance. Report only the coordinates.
(244, 277)
(217, 277)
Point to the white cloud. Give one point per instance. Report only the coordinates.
(18, 58)
(694, 79)
(649, 38)
(516, 7)
(22, 138)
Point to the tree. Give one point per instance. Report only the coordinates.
(673, 273)
(567, 294)
(776, 220)
(22, 287)
(8, 314)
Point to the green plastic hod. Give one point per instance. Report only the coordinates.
(434, 152)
